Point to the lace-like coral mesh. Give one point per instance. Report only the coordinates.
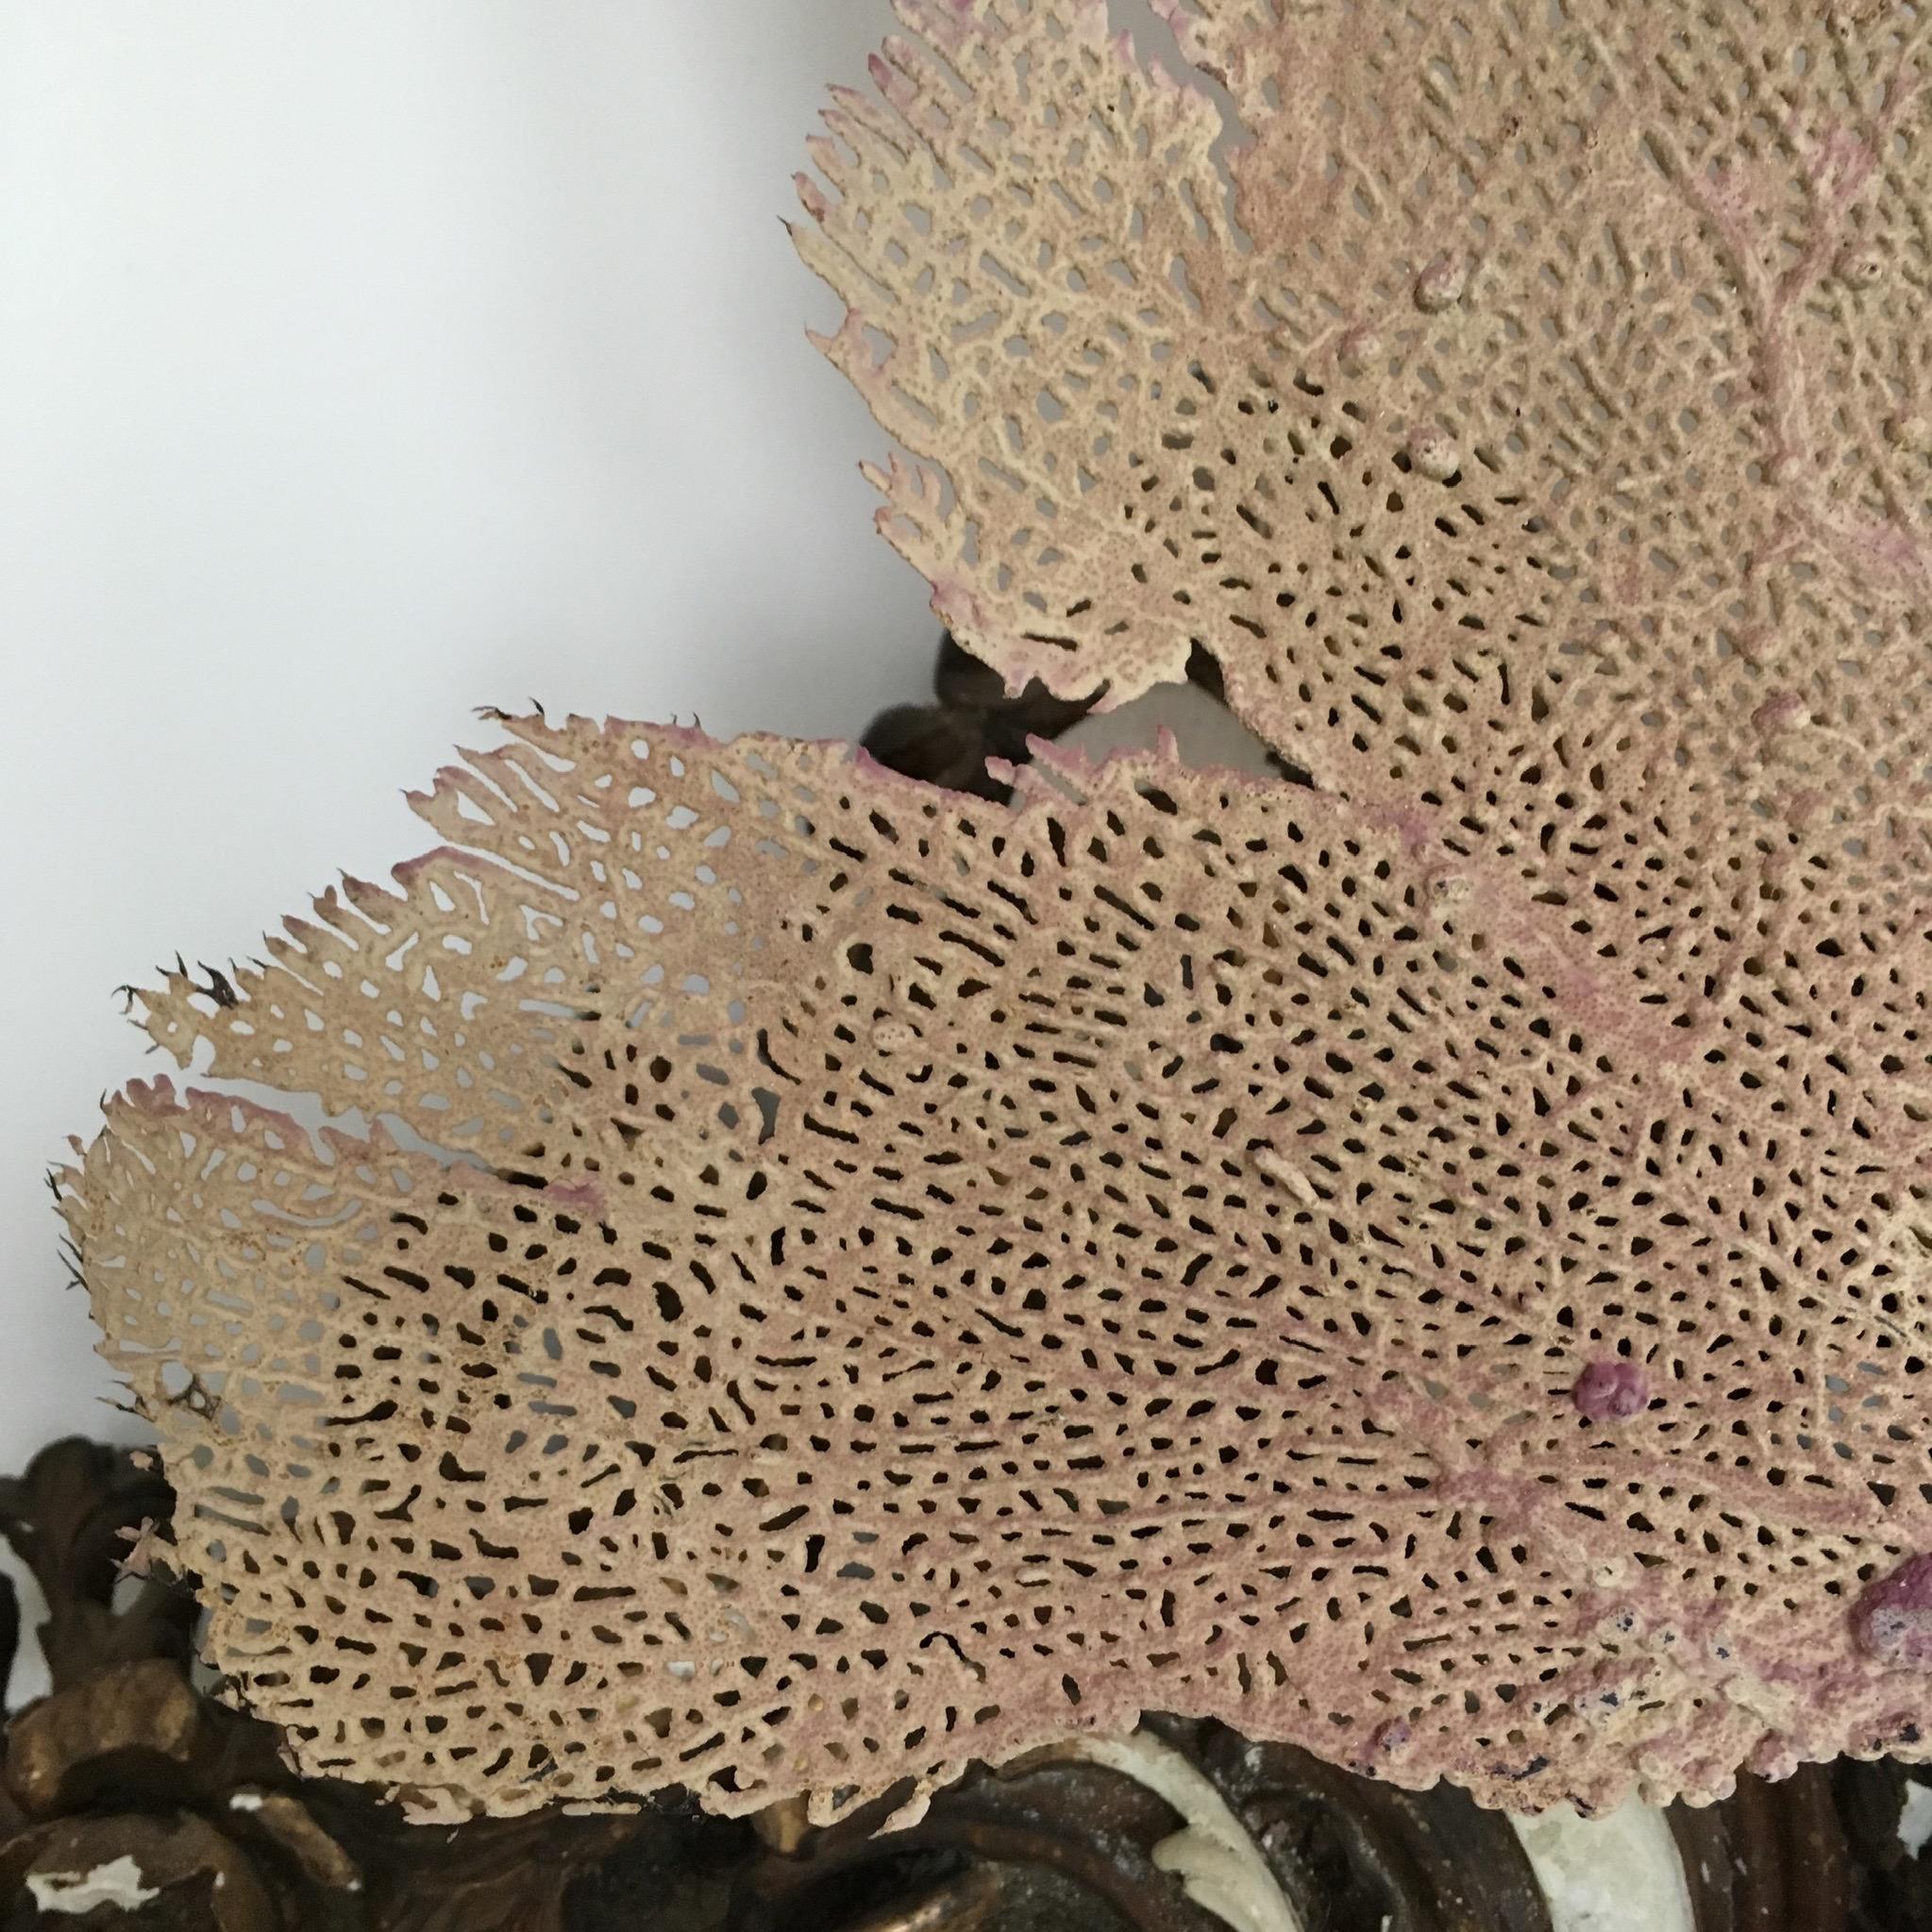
(851, 1279)
(891, 1279)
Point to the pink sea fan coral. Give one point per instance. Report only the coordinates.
(841, 1279)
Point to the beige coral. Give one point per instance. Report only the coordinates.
(885, 1279)
(800, 1280)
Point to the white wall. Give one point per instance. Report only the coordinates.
(359, 364)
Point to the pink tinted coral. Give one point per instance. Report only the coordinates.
(1610, 1390)
(1894, 1617)
(840, 1279)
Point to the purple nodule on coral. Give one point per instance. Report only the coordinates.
(1611, 1390)
(1893, 1619)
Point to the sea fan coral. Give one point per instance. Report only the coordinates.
(841, 1279)
(1533, 427)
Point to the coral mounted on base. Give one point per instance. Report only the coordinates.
(783, 1282)
(1182, 1827)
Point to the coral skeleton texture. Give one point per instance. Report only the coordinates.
(808, 1279)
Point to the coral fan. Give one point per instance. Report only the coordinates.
(807, 1280)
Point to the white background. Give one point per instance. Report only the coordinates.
(361, 364)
